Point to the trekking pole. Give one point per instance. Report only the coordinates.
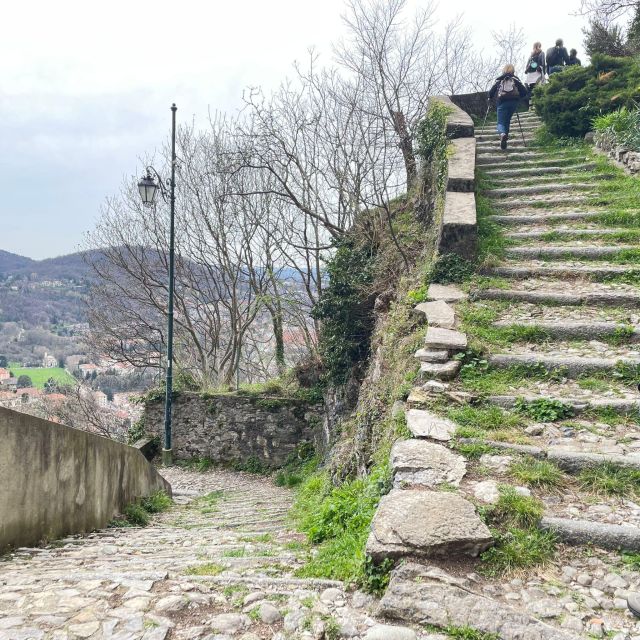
(521, 131)
(486, 115)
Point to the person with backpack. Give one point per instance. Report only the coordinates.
(536, 67)
(573, 59)
(557, 57)
(508, 90)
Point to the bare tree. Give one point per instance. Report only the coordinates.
(608, 10)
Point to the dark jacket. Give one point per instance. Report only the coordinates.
(557, 57)
(540, 59)
(519, 86)
(573, 61)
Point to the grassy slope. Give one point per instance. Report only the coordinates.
(40, 375)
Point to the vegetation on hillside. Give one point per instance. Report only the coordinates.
(571, 99)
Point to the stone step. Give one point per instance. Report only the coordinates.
(535, 172)
(570, 366)
(567, 178)
(621, 406)
(598, 534)
(548, 201)
(567, 251)
(622, 298)
(542, 233)
(428, 595)
(561, 187)
(596, 272)
(529, 160)
(579, 330)
(494, 137)
(545, 217)
(514, 143)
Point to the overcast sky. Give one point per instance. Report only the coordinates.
(85, 87)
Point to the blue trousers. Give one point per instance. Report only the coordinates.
(506, 109)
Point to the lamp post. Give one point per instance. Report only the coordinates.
(148, 188)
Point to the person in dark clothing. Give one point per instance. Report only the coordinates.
(536, 67)
(573, 58)
(557, 57)
(508, 90)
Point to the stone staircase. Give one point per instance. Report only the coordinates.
(560, 282)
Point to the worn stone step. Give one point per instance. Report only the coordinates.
(425, 424)
(572, 270)
(620, 406)
(598, 534)
(623, 298)
(544, 217)
(567, 178)
(494, 137)
(542, 200)
(426, 524)
(438, 338)
(567, 251)
(514, 144)
(579, 330)
(427, 595)
(440, 370)
(540, 234)
(536, 172)
(570, 366)
(561, 187)
(529, 161)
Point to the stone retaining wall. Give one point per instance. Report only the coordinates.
(229, 428)
(459, 232)
(630, 160)
(56, 480)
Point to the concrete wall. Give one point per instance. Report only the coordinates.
(475, 104)
(55, 480)
(230, 428)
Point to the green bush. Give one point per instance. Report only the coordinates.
(571, 99)
(544, 409)
(432, 143)
(620, 127)
(346, 310)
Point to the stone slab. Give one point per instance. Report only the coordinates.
(427, 355)
(418, 396)
(459, 123)
(438, 313)
(426, 464)
(440, 371)
(438, 338)
(424, 424)
(426, 524)
(446, 293)
(459, 233)
(427, 595)
(462, 165)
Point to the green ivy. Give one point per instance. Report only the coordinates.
(345, 309)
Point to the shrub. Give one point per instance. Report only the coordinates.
(346, 311)
(571, 99)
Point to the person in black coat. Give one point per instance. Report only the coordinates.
(557, 57)
(573, 58)
(508, 91)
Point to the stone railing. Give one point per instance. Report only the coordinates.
(459, 231)
(230, 428)
(56, 480)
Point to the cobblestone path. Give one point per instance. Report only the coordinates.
(219, 564)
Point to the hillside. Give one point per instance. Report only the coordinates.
(67, 267)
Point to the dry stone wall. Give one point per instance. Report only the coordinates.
(236, 429)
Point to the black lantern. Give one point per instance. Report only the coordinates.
(148, 189)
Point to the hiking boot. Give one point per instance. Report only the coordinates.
(503, 140)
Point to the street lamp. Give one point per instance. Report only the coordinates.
(148, 188)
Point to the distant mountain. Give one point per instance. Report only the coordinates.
(12, 262)
(68, 267)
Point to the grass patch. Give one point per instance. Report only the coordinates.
(207, 569)
(537, 473)
(514, 510)
(137, 513)
(518, 549)
(610, 479)
(337, 519)
(40, 376)
(544, 409)
(468, 633)
(486, 418)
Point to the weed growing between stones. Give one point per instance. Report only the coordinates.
(207, 569)
(610, 479)
(468, 633)
(487, 418)
(544, 409)
(513, 510)
(537, 473)
(137, 513)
